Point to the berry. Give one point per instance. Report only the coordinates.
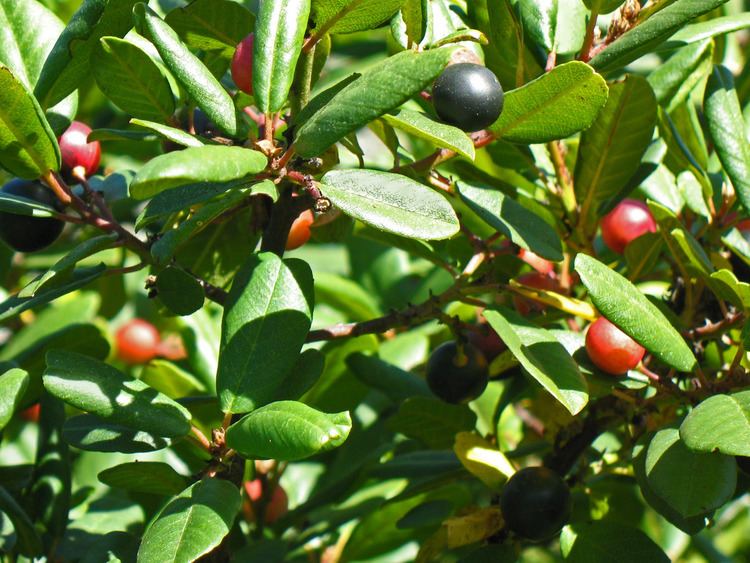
(299, 232)
(610, 349)
(626, 222)
(486, 341)
(77, 151)
(276, 507)
(31, 414)
(22, 232)
(137, 342)
(537, 262)
(535, 503)
(468, 96)
(534, 280)
(457, 378)
(242, 64)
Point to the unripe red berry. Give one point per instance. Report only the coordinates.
(137, 342)
(626, 222)
(276, 507)
(242, 64)
(77, 151)
(611, 349)
(540, 264)
(299, 233)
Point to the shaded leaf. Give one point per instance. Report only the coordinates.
(150, 477)
(91, 433)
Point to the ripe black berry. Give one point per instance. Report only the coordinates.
(457, 378)
(22, 232)
(468, 96)
(535, 503)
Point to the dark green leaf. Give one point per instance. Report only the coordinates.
(203, 88)
(266, 319)
(150, 477)
(391, 203)
(100, 389)
(602, 540)
(433, 422)
(425, 127)
(192, 524)
(674, 80)
(415, 14)
(556, 105)
(23, 206)
(301, 378)
(13, 385)
(380, 89)
(394, 382)
(212, 25)
(720, 423)
(91, 433)
(179, 291)
(29, 542)
(622, 303)
(347, 16)
(706, 29)
(288, 431)
(603, 6)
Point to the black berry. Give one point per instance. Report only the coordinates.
(454, 377)
(535, 503)
(22, 232)
(468, 96)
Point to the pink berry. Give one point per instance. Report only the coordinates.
(77, 151)
(626, 222)
(242, 64)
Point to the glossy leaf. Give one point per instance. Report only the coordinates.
(723, 113)
(425, 127)
(612, 148)
(523, 227)
(347, 16)
(212, 25)
(649, 34)
(279, 32)
(674, 80)
(91, 433)
(707, 29)
(13, 385)
(100, 389)
(268, 309)
(198, 81)
(379, 90)
(554, 106)
(69, 61)
(691, 483)
(592, 542)
(28, 147)
(720, 423)
(194, 165)
(482, 459)
(542, 356)
(179, 291)
(622, 303)
(173, 134)
(132, 80)
(192, 524)
(391, 203)
(151, 477)
(288, 431)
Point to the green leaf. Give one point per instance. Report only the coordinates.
(726, 285)
(727, 127)
(29, 542)
(539, 18)
(646, 36)
(603, 6)
(394, 382)
(611, 149)
(192, 524)
(348, 16)
(13, 385)
(288, 431)
(415, 14)
(179, 291)
(602, 541)
(132, 80)
(100, 389)
(194, 165)
(525, 228)
(622, 303)
(346, 296)
(691, 483)
(212, 25)
(198, 81)
(542, 356)
(68, 63)
(151, 477)
(91, 433)
(674, 80)
(170, 379)
(28, 147)
(302, 377)
(23, 206)
(425, 127)
(720, 423)
(279, 31)
(707, 29)
(380, 89)
(269, 308)
(642, 254)
(391, 203)
(170, 133)
(554, 106)
(433, 422)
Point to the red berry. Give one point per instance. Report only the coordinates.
(610, 349)
(276, 507)
(77, 151)
(137, 342)
(629, 220)
(299, 233)
(31, 414)
(535, 261)
(242, 64)
(538, 281)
